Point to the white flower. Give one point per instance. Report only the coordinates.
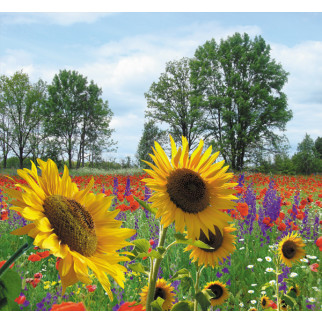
(311, 257)
(293, 274)
(253, 284)
(268, 259)
(253, 301)
(272, 282)
(304, 260)
(241, 239)
(259, 260)
(269, 270)
(251, 291)
(241, 248)
(250, 266)
(303, 267)
(311, 299)
(241, 304)
(315, 288)
(263, 292)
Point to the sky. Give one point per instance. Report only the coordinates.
(125, 52)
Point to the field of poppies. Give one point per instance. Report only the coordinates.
(268, 209)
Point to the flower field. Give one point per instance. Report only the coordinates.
(249, 274)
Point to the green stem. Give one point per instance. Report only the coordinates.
(277, 289)
(154, 271)
(198, 273)
(15, 256)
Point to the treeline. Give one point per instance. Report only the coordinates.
(66, 120)
(230, 94)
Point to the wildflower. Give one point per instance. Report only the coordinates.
(314, 267)
(241, 304)
(269, 270)
(293, 274)
(34, 258)
(250, 291)
(83, 237)
(272, 282)
(131, 306)
(250, 266)
(44, 254)
(91, 288)
(253, 301)
(273, 305)
(186, 189)
(68, 306)
(259, 260)
(151, 242)
(163, 290)
(20, 299)
(291, 249)
(220, 291)
(253, 285)
(3, 262)
(311, 299)
(268, 259)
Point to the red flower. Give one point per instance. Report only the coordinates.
(44, 254)
(273, 305)
(68, 306)
(131, 306)
(35, 282)
(319, 243)
(243, 209)
(281, 226)
(3, 262)
(91, 288)
(20, 299)
(151, 241)
(38, 275)
(314, 267)
(34, 258)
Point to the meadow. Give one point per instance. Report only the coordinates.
(268, 208)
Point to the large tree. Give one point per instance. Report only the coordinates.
(169, 101)
(239, 87)
(22, 105)
(77, 116)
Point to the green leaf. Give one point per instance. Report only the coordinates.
(157, 304)
(10, 288)
(141, 245)
(180, 274)
(185, 284)
(182, 306)
(152, 254)
(203, 298)
(180, 238)
(145, 205)
(138, 268)
(289, 300)
(161, 250)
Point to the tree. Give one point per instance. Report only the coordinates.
(23, 105)
(318, 146)
(169, 101)
(306, 159)
(77, 117)
(239, 88)
(150, 134)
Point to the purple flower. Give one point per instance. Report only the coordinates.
(218, 275)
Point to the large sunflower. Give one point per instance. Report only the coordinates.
(220, 291)
(73, 224)
(290, 249)
(163, 290)
(222, 244)
(190, 191)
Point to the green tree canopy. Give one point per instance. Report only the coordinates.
(169, 101)
(239, 87)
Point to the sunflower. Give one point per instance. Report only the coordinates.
(222, 244)
(283, 305)
(73, 224)
(220, 291)
(163, 290)
(295, 290)
(290, 249)
(265, 302)
(190, 191)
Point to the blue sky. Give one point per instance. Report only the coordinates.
(125, 52)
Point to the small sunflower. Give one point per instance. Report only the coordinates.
(265, 302)
(190, 191)
(163, 290)
(222, 244)
(73, 224)
(290, 249)
(295, 290)
(220, 291)
(283, 305)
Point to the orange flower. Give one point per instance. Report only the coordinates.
(131, 306)
(281, 226)
(44, 254)
(68, 306)
(314, 267)
(317, 243)
(34, 258)
(243, 209)
(91, 288)
(3, 262)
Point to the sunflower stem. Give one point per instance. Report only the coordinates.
(15, 256)
(154, 270)
(198, 273)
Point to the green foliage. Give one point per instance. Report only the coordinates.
(10, 287)
(239, 88)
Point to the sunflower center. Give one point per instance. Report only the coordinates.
(263, 301)
(188, 191)
(217, 290)
(72, 223)
(289, 249)
(214, 241)
(159, 292)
